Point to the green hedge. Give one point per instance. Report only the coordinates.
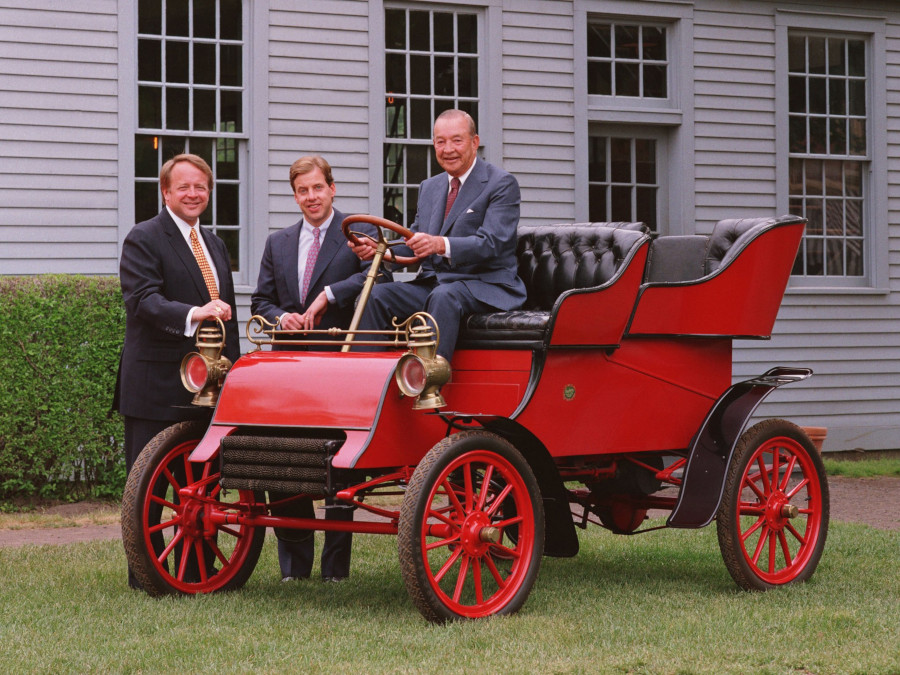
(60, 337)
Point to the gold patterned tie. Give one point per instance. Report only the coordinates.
(205, 269)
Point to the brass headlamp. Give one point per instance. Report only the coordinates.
(421, 372)
(203, 371)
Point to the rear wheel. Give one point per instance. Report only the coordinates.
(171, 540)
(471, 530)
(773, 519)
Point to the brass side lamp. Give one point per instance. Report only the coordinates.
(203, 371)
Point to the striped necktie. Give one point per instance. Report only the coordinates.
(205, 269)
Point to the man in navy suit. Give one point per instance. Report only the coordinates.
(166, 297)
(309, 278)
(465, 236)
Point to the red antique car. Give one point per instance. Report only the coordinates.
(608, 395)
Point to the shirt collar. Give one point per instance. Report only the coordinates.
(323, 228)
(464, 177)
(182, 224)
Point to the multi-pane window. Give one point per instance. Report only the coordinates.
(828, 151)
(190, 91)
(431, 65)
(627, 60)
(623, 179)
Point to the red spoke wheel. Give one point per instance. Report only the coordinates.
(172, 540)
(773, 519)
(471, 530)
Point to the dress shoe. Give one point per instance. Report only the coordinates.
(333, 580)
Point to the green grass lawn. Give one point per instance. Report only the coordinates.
(656, 603)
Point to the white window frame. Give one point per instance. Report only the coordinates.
(657, 134)
(253, 156)
(489, 18)
(669, 120)
(875, 196)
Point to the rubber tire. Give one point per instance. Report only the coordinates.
(772, 567)
(168, 450)
(510, 469)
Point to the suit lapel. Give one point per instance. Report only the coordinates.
(467, 193)
(286, 262)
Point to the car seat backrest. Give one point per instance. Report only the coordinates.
(557, 258)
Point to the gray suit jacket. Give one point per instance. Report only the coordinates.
(278, 286)
(481, 228)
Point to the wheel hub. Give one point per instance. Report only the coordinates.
(191, 511)
(779, 511)
(477, 534)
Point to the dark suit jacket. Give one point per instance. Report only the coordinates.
(278, 287)
(481, 228)
(161, 281)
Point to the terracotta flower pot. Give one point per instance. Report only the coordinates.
(817, 436)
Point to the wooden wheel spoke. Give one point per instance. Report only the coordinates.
(753, 528)
(165, 525)
(495, 503)
(485, 487)
(228, 530)
(443, 542)
(498, 577)
(793, 530)
(452, 498)
(797, 488)
(179, 535)
(785, 549)
(161, 501)
(763, 537)
(788, 471)
(468, 489)
(461, 579)
(773, 549)
(201, 558)
(214, 545)
(447, 565)
(763, 474)
(171, 478)
(476, 580)
(505, 551)
(752, 484)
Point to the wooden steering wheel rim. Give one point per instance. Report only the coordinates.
(378, 222)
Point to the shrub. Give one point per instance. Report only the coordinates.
(61, 336)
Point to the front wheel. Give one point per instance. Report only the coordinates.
(172, 520)
(773, 518)
(471, 529)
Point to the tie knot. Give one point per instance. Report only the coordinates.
(316, 233)
(454, 183)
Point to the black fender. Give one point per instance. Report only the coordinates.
(703, 481)
(560, 538)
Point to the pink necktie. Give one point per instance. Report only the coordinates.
(454, 190)
(310, 264)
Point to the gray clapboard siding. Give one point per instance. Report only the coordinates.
(58, 137)
(318, 100)
(538, 107)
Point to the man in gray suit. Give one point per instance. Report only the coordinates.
(308, 278)
(465, 236)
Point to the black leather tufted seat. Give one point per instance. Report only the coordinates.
(553, 259)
